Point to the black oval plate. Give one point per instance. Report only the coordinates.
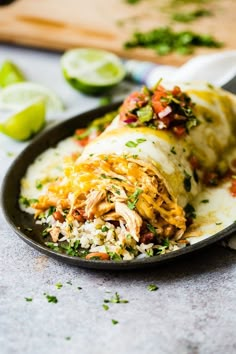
(21, 222)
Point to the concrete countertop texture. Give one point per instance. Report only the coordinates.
(193, 311)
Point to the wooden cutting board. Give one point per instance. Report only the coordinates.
(107, 24)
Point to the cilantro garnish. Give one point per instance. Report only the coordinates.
(51, 298)
(190, 16)
(114, 322)
(164, 40)
(53, 246)
(190, 211)
(106, 307)
(133, 199)
(187, 181)
(26, 201)
(116, 300)
(28, 299)
(152, 287)
(133, 144)
(51, 210)
(38, 184)
(104, 228)
(58, 285)
(204, 201)
(152, 229)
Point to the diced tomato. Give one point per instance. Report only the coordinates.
(233, 187)
(179, 130)
(83, 142)
(157, 104)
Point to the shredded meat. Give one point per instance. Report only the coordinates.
(55, 232)
(133, 220)
(93, 199)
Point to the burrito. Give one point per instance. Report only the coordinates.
(130, 191)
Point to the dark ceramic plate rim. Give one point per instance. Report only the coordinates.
(50, 138)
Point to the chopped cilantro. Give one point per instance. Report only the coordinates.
(51, 298)
(190, 16)
(152, 229)
(116, 190)
(38, 184)
(166, 242)
(67, 338)
(114, 256)
(116, 300)
(149, 252)
(10, 154)
(53, 246)
(204, 201)
(106, 307)
(26, 201)
(72, 250)
(133, 144)
(165, 40)
(190, 211)
(58, 285)
(28, 299)
(187, 181)
(140, 140)
(79, 288)
(218, 223)
(104, 228)
(133, 199)
(132, 2)
(172, 150)
(210, 86)
(152, 287)
(69, 282)
(45, 233)
(51, 210)
(114, 322)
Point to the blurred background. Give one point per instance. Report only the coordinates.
(113, 25)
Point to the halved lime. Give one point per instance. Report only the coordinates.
(26, 123)
(92, 71)
(10, 74)
(23, 94)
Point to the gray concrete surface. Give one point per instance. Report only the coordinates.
(192, 312)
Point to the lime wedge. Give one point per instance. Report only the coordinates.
(26, 123)
(92, 71)
(10, 74)
(20, 95)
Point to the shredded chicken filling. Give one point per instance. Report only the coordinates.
(116, 188)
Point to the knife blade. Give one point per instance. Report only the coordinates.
(230, 85)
